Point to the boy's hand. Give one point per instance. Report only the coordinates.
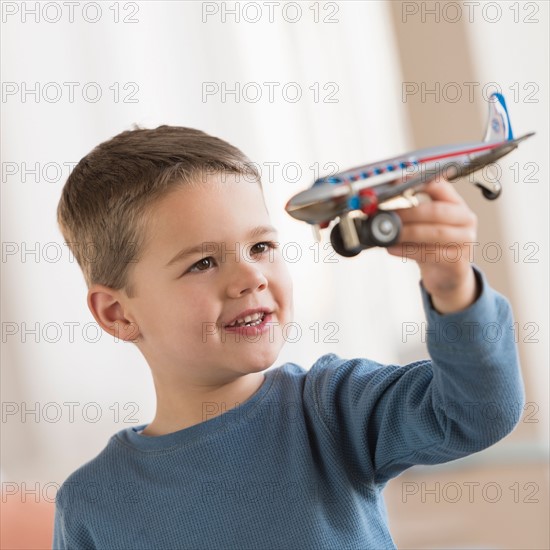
(438, 235)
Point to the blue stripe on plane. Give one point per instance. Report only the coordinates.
(502, 102)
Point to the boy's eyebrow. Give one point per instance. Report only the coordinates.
(258, 231)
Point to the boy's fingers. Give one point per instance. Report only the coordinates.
(437, 212)
(433, 233)
(442, 190)
(434, 254)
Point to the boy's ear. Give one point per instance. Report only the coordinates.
(107, 310)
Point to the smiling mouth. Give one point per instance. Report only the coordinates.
(249, 320)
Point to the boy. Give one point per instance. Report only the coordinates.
(190, 271)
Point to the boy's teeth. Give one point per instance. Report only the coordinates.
(254, 319)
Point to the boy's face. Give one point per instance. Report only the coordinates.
(182, 306)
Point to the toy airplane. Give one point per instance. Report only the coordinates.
(363, 197)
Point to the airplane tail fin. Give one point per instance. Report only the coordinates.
(498, 125)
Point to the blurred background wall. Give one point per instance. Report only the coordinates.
(303, 88)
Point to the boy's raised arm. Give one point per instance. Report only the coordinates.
(385, 419)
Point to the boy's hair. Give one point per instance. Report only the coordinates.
(103, 209)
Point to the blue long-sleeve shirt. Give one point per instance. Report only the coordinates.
(302, 463)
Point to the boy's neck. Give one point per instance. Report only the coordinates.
(178, 409)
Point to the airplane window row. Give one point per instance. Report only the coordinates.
(367, 174)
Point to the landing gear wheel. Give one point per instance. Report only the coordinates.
(488, 194)
(491, 195)
(382, 229)
(338, 242)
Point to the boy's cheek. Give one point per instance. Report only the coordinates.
(282, 288)
(284, 279)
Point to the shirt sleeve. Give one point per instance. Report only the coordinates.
(384, 419)
(64, 536)
(59, 540)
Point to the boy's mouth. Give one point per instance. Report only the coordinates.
(251, 325)
(248, 321)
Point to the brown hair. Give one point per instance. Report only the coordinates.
(102, 212)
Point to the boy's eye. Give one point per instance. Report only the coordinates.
(202, 265)
(256, 250)
(260, 248)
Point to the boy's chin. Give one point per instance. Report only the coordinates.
(259, 363)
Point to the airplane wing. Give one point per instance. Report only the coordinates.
(450, 170)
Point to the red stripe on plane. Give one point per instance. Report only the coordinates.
(458, 153)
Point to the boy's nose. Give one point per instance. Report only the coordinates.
(245, 279)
